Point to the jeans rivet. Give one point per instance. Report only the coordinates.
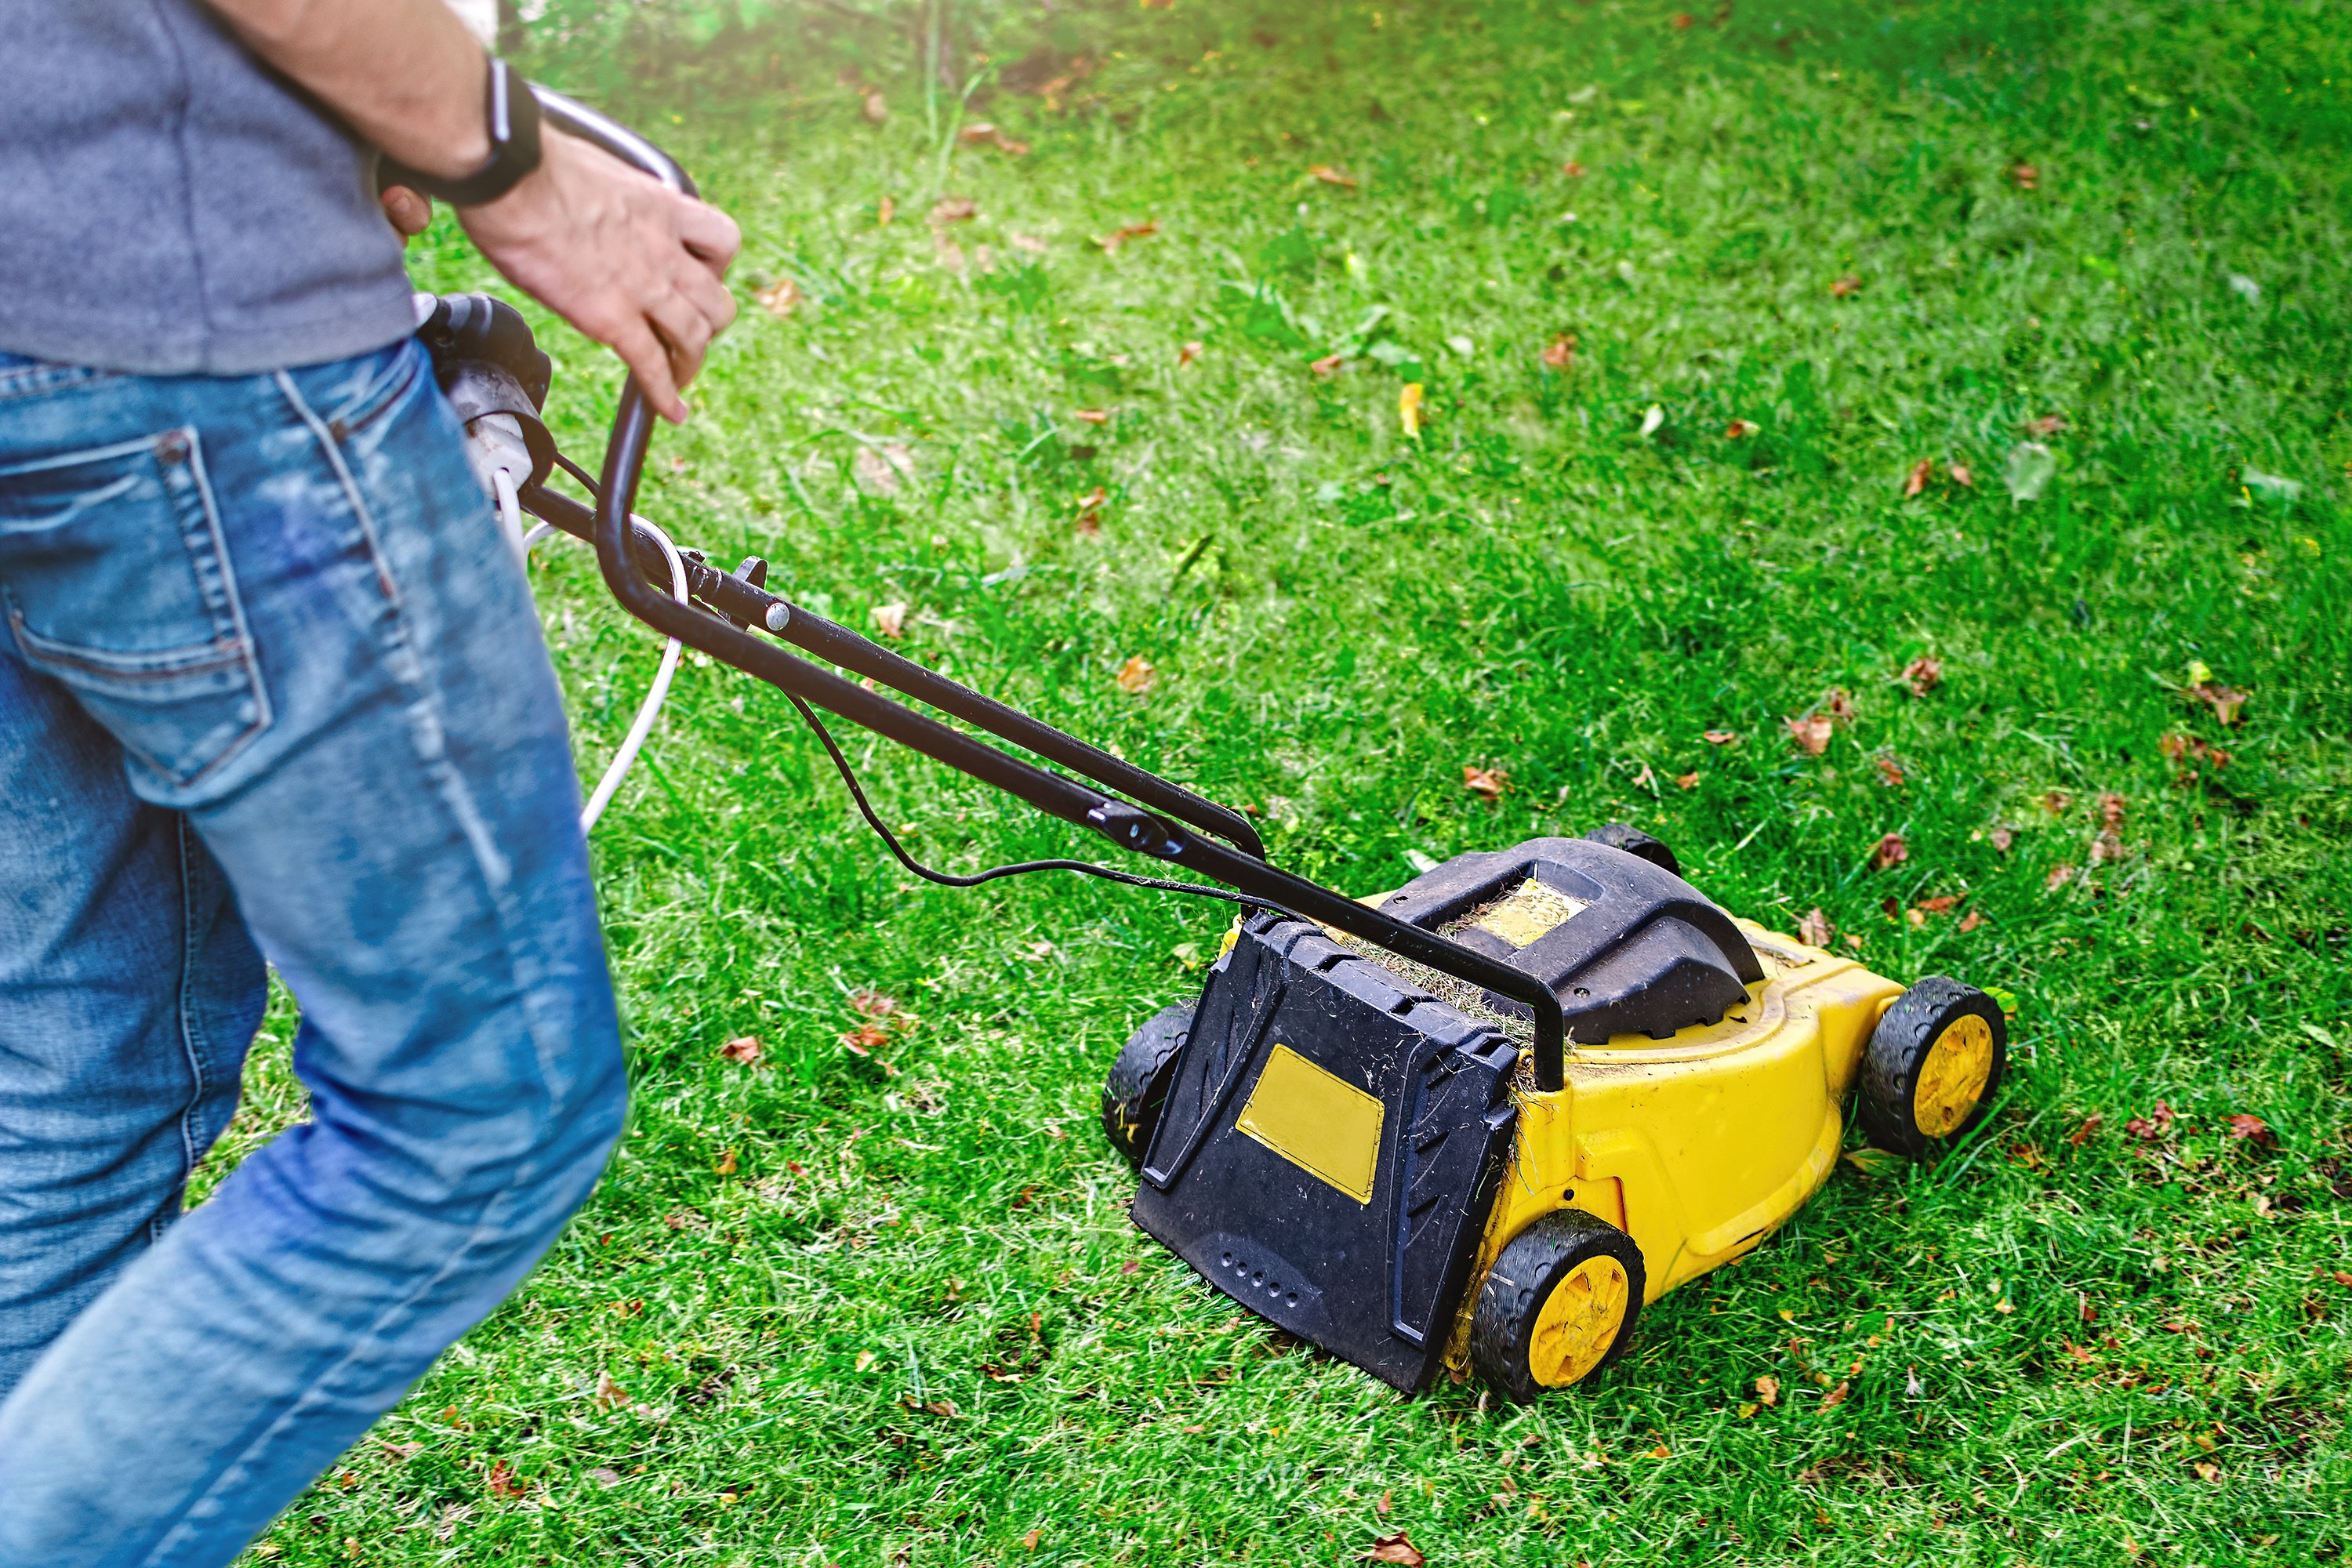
(172, 448)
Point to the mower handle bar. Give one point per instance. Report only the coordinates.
(1128, 825)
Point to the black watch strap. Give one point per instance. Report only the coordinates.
(514, 148)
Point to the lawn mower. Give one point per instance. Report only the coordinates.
(1475, 1124)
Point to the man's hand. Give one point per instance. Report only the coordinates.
(614, 252)
(618, 255)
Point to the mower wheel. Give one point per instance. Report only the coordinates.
(1932, 1065)
(1633, 841)
(1138, 1084)
(1558, 1305)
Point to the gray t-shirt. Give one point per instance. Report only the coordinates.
(169, 205)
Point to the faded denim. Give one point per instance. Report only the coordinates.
(272, 684)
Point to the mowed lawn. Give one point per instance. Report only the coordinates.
(1735, 332)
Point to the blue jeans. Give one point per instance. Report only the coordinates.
(271, 687)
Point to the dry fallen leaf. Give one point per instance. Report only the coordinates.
(1942, 903)
(609, 1393)
(1484, 783)
(2254, 1128)
(1890, 770)
(1836, 1396)
(2224, 702)
(1328, 364)
(1382, 1508)
(744, 1049)
(875, 1005)
(1645, 779)
(1090, 518)
(866, 1039)
(1188, 353)
(504, 1482)
(1923, 675)
(1849, 284)
(1814, 929)
(1740, 429)
(1686, 781)
(984, 134)
(1096, 417)
(1126, 232)
(1921, 472)
(1768, 1390)
(2055, 801)
(954, 209)
(1394, 1549)
(1891, 851)
(885, 210)
(2207, 1470)
(1330, 176)
(1561, 352)
(1719, 737)
(2023, 175)
(726, 1166)
(2058, 877)
(1409, 412)
(2003, 836)
(2048, 425)
(891, 620)
(1961, 476)
(780, 297)
(1136, 677)
(1810, 733)
(1972, 919)
(875, 110)
(1839, 704)
(1572, 169)
(1029, 1541)
(606, 1477)
(2111, 810)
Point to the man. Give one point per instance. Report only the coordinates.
(271, 686)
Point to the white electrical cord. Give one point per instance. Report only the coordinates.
(510, 521)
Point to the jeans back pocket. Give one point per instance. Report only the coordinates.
(117, 583)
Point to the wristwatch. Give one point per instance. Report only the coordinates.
(514, 149)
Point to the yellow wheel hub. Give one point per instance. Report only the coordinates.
(1952, 1079)
(1580, 1320)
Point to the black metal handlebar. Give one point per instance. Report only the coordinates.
(1130, 826)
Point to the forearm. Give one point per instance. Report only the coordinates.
(405, 74)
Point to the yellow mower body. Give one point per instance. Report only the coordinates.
(1698, 1146)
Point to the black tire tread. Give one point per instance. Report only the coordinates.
(1514, 1290)
(1138, 1077)
(1633, 841)
(1891, 1061)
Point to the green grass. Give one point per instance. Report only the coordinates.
(885, 1309)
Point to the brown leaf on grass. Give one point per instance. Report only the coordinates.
(866, 1039)
(505, 1483)
(1942, 903)
(1030, 243)
(1136, 677)
(1839, 704)
(2058, 877)
(2055, 801)
(2003, 836)
(606, 1477)
(727, 1165)
(1921, 472)
(1685, 21)
(1922, 675)
(2252, 1129)
(2108, 846)
(1836, 1396)
(1962, 475)
(1719, 737)
(1382, 1508)
(2111, 810)
(1408, 414)
(1645, 779)
(1096, 417)
(1890, 851)
(890, 619)
(875, 1005)
(1972, 919)
(1090, 505)
(1740, 429)
(2048, 425)
(1768, 1390)
(2149, 1128)
(1484, 783)
(885, 210)
(954, 209)
(1849, 284)
(1330, 176)
(779, 299)
(1188, 353)
(609, 1393)
(874, 107)
(744, 1049)
(2023, 174)
(1029, 1541)
(1572, 169)
(1328, 364)
(1814, 929)
(2224, 702)
(2082, 1134)
(1686, 781)
(1126, 232)
(1394, 1549)
(1561, 352)
(1809, 733)
(984, 134)
(2185, 752)
(1889, 770)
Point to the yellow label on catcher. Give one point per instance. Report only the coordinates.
(1317, 1120)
